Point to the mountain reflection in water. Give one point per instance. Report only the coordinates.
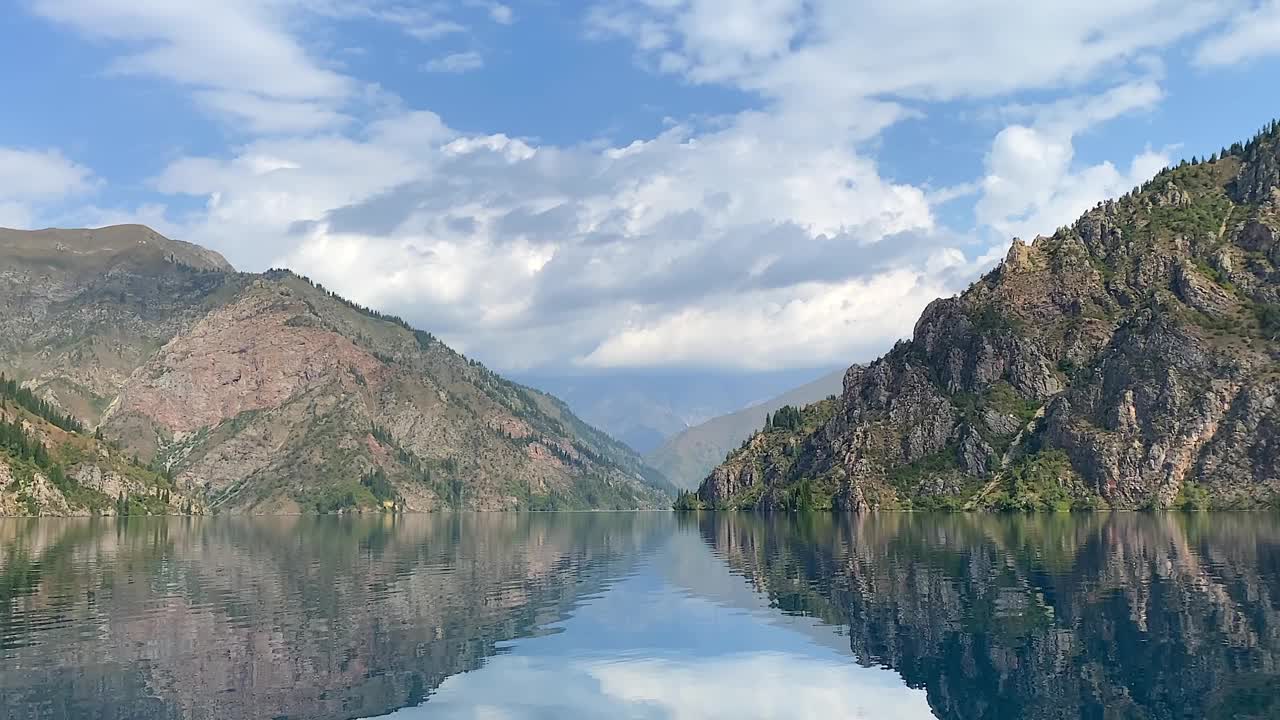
(641, 615)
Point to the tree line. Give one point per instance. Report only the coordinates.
(11, 391)
(786, 418)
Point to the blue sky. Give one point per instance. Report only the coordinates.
(604, 185)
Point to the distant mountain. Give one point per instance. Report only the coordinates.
(267, 393)
(1130, 360)
(687, 458)
(645, 408)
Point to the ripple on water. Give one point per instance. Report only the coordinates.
(612, 615)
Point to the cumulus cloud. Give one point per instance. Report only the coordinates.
(792, 326)
(483, 237)
(1031, 185)
(35, 180)
(764, 238)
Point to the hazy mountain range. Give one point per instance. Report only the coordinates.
(687, 458)
(646, 409)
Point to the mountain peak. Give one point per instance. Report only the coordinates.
(93, 248)
(268, 393)
(1131, 359)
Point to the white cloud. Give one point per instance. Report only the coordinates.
(1031, 186)
(498, 244)
(262, 115)
(237, 56)
(455, 63)
(501, 14)
(229, 45)
(916, 49)
(1250, 35)
(1076, 114)
(33, 180)
(40, 175)
(806, 325)
(760, 239)
(242, 59)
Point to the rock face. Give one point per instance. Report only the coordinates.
(266, 393)
(80, 310)
(1130, 360)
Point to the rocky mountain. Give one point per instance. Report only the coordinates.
(687, 458)
(1130, 360)
(268, 393)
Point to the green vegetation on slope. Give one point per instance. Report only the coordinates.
(1055, 381)
(28, 457)
(10, 390)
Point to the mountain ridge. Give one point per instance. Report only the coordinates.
(268, 393)
(1129, 360)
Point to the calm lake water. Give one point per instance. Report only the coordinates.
(646, 615)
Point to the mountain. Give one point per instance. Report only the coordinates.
(687, 458)
(49, 465)
(1130, 360)
(645, 408)
(268, 393)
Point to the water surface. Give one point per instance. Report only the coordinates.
(642, 615)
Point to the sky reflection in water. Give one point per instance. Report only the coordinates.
(644, 615)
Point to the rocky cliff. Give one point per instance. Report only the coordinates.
(1129, 360)
(267, 393)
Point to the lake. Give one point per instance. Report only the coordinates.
(642, 615)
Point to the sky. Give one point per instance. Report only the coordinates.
(611, 186)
